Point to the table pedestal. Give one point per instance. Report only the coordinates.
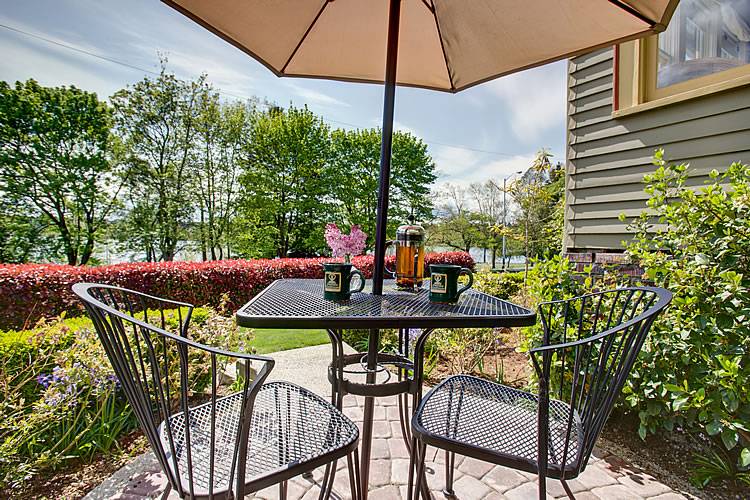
(403, 379)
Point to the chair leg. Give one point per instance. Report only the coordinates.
(167, 491)
(412, 464)
(283, 488)
(420, 452)
(450, 460)
(355, 484)
(567, 489)
(326, 484)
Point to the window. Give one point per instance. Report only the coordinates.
(706, 48)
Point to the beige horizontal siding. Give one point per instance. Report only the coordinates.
(607, 158)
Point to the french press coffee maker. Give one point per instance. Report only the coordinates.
(409, 242)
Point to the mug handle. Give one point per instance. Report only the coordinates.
(361, 280)
(468, 273)
(392, 272)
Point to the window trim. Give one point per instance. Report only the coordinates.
(634, 78)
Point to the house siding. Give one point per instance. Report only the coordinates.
(608, 157)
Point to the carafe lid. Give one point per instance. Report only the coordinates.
(410, 232)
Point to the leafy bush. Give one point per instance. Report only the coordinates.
(61, 399)
(29, 292)
(501, 285)
(694, 370)
(462, 349)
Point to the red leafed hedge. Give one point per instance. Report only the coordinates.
(29, 292)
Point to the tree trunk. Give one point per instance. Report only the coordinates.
(88, 249)
(204, 256)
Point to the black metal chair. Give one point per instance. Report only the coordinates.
(215, 435)
(588, 348)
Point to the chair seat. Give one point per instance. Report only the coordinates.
(291, 426)
(495, 423)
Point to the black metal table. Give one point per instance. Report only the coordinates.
(299, 303)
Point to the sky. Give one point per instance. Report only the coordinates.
(488, 131)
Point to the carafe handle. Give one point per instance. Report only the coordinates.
(392, 272)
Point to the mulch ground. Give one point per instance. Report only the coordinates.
(77, 477)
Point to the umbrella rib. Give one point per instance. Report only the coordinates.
(442, 46)
(431, 8)
(307, 32)
(633, 12)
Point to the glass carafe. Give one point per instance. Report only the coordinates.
(409, 269)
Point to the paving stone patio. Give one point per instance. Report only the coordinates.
(607, 476)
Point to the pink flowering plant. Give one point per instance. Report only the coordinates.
(345, 245)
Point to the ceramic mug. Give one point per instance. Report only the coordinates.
(337, 278)
(444, 282)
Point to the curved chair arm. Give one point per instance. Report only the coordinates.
(82, 290)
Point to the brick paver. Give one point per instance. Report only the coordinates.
(606, 477)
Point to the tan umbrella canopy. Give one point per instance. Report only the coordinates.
(446, 45)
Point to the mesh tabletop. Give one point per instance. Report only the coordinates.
(299, 303)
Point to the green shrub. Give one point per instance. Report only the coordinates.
(462, 349)
(694, 369)
(501, 285)
(61, 399)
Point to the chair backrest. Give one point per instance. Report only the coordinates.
(589, 346)
(163, 373)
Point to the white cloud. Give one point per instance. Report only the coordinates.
(311, 96)
(405, 128)
(535, 99)
(462, 167)
(22, 57)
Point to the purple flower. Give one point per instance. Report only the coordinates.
(345, 245)
(44, 380)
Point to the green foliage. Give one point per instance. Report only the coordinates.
(693, 369)
(222, 130)
(354, 170)
(285, 192)
(157, 122)
(695, 366)
(458, 226)
(501, 285)
(61, 400)
(463, 349)
(539, 194)
(55, 170)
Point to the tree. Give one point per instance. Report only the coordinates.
(355, 170)
(157, 121)
(222, 131)
(55, 150)
(539, 194)
(457, 226)
(488, 197)
(285, 190)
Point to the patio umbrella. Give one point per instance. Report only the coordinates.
(446, 45)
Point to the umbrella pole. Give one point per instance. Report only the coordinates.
(394, 13)
(373, 344)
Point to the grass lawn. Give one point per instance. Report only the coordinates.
(273, 340)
